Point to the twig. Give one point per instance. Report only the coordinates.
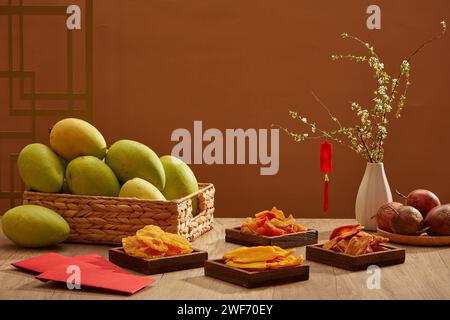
(326, 108)
(419, 48)
(365, 146)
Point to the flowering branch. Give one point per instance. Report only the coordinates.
(367, 138)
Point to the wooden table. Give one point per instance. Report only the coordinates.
(424, 275)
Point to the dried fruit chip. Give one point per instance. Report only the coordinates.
(358, 245)
(151, 241)
(288, 261)
(351, 239)
(262, 257)
(248, 265)
(345, 231)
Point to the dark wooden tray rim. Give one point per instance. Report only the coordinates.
(270, 237)
(195, 259)
(251, 279)
(289, 240)
(389, 257)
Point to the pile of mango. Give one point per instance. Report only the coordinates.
(78, 161)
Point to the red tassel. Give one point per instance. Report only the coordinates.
(326, 150)
(325, 194)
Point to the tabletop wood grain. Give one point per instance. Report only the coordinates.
(424, 275)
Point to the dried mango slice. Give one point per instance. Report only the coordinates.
(151, 241)
(283, 223)
(262, 213)
(278, 213)
(377, 240)
(255, 254)
(345, 231)
(151, 231)
(154, 243)
(248, 265)
(132, 243)
(288, 261)
(175, 240)
(135, 247)
(341, 246)
(330, 244)
(358, 245)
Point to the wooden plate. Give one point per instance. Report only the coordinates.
(252, 279)
(290, 240)
(422, 240)
(353, 263)
(196, 259)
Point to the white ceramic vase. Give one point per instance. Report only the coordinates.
(373, 192)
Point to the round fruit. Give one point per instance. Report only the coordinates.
(141, 189)
(34, 226)
(406, 220)
(131, 159)
(423, 200)
(180, 180)
(438, 219)
(71, 138)
(40, 168)
(89, 175)
(384, 215)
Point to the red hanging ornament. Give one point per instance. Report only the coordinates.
(326, 150)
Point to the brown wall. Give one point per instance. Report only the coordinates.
(160, 65)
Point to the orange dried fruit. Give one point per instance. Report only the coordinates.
(271, 223)
(351, 239)
(358, 245)
(248, 265)
(262, 257)
(151, 241)
(345, 231)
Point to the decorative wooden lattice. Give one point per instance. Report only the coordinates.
(18, 84)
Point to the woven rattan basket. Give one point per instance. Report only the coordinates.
(107, 220)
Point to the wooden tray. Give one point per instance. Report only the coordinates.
(196, 259)
(422, 240)
(252, 279)
(291, 240)
(345, 261)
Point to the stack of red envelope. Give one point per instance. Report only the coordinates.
(90, 270)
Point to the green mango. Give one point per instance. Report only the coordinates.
(141, 189)
(34, 226)
(40, 168)
(88, 175)
(131, 159)
(72, 138)
(180, 180)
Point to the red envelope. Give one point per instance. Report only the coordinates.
(41, 263)
(96, 277)
(99, 261)
(46, 261)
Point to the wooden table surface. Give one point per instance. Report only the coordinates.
(424, 275)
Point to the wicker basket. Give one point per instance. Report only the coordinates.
(107, 220)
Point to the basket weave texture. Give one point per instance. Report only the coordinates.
(106, 220)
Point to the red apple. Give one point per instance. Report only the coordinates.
(384, 215)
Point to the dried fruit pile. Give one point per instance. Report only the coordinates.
(262, 258)
(151, 241)
(351, 239)
(271, 223)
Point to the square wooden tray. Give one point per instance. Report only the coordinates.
(291, 240)
(196, 259)
(252, 279)
(353, 263)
